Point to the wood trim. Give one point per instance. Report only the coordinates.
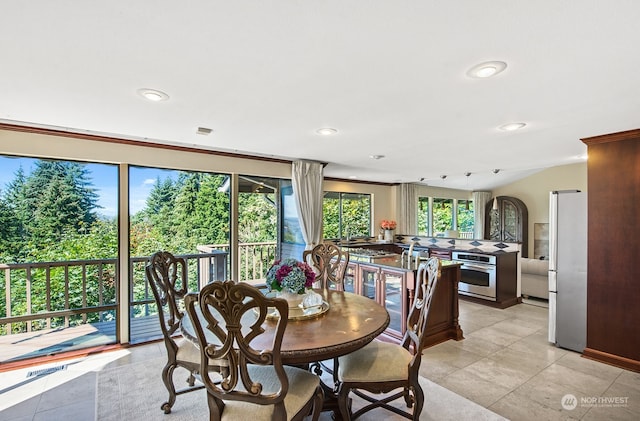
(611, 359)
(344, 180)
(45, 359)
(613, 137)
(131, 142)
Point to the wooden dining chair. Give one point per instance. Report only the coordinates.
(228, 318)
(167, 276)
(330, 263)
(382, 367)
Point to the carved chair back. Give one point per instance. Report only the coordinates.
(167, 276)
(330, 263)
(413, 340)
(233, 314)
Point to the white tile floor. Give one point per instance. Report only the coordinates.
(504, 364)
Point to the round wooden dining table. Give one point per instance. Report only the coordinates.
(351, 322)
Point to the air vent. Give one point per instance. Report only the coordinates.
(204, 131)
(45, 371)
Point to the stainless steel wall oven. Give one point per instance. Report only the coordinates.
(478, 274)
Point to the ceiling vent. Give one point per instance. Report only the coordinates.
(204, 131)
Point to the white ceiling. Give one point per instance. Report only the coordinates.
(390, 76)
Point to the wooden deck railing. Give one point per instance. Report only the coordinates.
(48, 295)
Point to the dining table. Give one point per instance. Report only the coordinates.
(350, 322)
(346, 323)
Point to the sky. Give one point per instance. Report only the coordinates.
(104, 178)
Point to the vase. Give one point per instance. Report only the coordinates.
(388, 235)
(293, 298)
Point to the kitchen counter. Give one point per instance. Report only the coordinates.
(443, 315)
(395, 261)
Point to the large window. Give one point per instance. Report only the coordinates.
(59, 242)
(465, 221)
(423, 216)
(184, 212)
(442, 216)
(258, 205)
(436, 216)
(346, 215)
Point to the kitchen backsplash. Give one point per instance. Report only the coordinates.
(486, 246)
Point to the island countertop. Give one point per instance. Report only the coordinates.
(395, 261)
(443, 316)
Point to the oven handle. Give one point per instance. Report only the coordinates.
(477, 267)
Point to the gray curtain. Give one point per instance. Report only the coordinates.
(480, 199)
(306, 179)
(407, 209)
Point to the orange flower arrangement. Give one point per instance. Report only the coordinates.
(388, 224)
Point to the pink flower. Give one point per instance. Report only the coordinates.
(388, 224)
(290, 274)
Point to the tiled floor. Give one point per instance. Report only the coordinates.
(504, 363)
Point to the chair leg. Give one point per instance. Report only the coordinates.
(343, 401)
(191, 381)
(318, 401)
(167, 378)
(408, 398)
(419, 401)
(215, 407)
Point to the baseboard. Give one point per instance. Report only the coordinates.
(495, 304)
(611, 359)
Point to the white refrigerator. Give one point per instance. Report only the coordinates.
(568, 269)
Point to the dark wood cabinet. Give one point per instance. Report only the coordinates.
(389, 288)
(444, 254)
(393, 288)
(613, 242)
(509, 222)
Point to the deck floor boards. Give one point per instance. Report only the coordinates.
(53, 341)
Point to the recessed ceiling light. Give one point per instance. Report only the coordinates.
(487, 69)
(511, 126)
(376, 156)
(153, 94)
(326, 131)
(353, 177)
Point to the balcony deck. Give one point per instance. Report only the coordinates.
(42, 343)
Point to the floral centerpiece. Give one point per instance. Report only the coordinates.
(290, 275)
(388, 224)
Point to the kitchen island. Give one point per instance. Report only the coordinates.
(391, 282)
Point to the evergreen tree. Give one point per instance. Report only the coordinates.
(60, 197)
(9, 232)
(15, 199)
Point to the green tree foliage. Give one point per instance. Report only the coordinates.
(346, 214)
(50, 215)
(331, 216)
(442, 215)
(258, 217)
(465, 216)
(181, 214)
(9, 231)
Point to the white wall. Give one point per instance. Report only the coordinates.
(534, 191)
